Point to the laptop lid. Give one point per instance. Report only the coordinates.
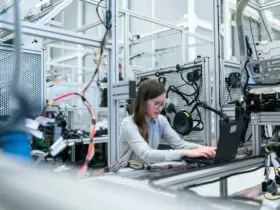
(230, 134)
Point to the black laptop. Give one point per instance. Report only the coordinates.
(230, 134)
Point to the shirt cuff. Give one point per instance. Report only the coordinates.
(173, 155)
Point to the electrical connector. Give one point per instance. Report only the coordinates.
(58, 146)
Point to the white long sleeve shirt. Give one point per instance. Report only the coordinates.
(132, 145)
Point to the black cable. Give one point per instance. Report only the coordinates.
(194, 96)
(222, 178)
(98, 14)
(184, 96)
(247, 80)
(253, 39)
(200, 122)
(249, 138)
(265, 26)
(229, 94)
(197, 92)
(5, 9)
(173, 89)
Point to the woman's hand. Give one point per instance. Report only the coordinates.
(200, 151)
(212, 150)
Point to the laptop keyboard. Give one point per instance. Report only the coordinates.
(211, 161)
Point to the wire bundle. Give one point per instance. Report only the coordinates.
(190, 99)
(91, 147)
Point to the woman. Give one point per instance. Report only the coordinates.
(140, 133)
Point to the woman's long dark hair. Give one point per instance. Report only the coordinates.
(148, 89)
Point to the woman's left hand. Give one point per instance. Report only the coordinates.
(211, 150)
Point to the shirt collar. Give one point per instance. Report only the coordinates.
(151, 121)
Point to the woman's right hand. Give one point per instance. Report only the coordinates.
(199, 152)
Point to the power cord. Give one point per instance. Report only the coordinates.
(222, 178)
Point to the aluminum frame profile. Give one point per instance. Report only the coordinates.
(114, 122)
(269, 5)
(262, 7)
(177, 182)
(155, 21)
(258, 119)
(60, 7)
(54, 33)
(217, 64)
(42, 21)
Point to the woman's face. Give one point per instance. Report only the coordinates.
(154, 106)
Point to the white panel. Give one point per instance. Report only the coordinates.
(70, 16)
(145, 59)
(168, 50)
(204, 49)
(143, 7)
(204, 10)
(170, 10)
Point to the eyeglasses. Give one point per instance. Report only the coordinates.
(159, 104)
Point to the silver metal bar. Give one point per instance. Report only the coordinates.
(231, 64)
(90, 25)
(53, 33)
(55, 23)
(177, 182)
(163, 33)
(265, 118)
(156, 21)
(96, 140)
(45, 13)
(269, 5)
(54, 12)
(156, 35)
(150, 72)
(254, 5)
(223, 188)
(112, 78)
(256, 140)
(87, 26)
(126, 47)
(208, 98)
(258, 119)
(164, 23)
(71, 67)
(217, 64)
(63, 47)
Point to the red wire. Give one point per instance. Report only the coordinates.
(82, 170)
(63, 96)
(91, 147)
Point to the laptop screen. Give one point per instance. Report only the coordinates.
(230, 134)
